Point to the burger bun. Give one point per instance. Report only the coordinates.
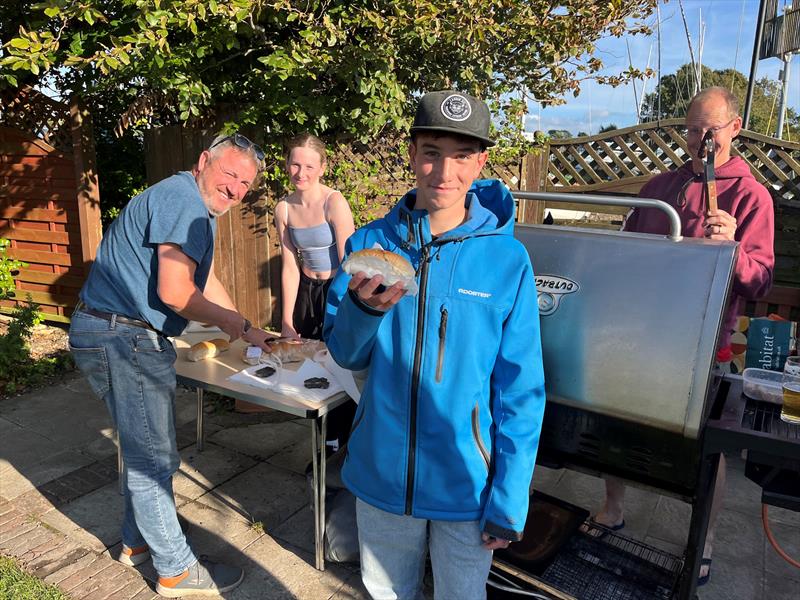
(376, 261)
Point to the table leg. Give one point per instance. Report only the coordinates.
(318, 433)
(199, 419)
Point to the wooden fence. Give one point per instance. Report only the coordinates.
(373, 177)
(49, 198)
(247, 257)
(620, 162)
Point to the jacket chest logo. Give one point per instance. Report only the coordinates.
(474, 293)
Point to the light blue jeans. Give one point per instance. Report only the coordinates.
(132, 370)
(393, 549)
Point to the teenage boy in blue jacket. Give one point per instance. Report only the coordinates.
(445, 436)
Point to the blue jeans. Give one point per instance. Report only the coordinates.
(132, 369)
(393, 549)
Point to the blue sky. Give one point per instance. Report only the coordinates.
(600, 105)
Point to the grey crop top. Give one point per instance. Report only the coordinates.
(316, 246)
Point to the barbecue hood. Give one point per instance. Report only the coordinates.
(629, 322)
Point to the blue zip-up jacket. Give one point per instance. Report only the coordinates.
(448, 423)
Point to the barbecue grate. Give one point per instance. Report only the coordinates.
(766, 417)
(613, 568)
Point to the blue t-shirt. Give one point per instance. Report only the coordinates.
(124, 276)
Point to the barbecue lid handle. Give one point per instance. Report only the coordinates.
(634, 202)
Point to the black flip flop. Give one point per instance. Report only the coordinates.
(599, 531)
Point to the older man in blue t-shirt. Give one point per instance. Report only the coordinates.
(154, 272)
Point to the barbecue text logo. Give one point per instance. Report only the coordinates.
(550, 290)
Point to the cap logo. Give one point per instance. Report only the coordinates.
(456, 108)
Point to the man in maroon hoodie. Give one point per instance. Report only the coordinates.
(744, 215)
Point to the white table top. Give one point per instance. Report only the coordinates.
(212, 374)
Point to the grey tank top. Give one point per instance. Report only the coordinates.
(316, 246)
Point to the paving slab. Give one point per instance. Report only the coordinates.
(200, 472)
(670, 520)
(739, 535)
(93, 520)
(13, 482)
(7, 426)
(22, 449)
(297, 530)
(788, 538)
(734, 579)
(741, 494)
(280, 573)
(781, 588)
(72, 418)
(264, 493)
(263, 440)
(546, 479)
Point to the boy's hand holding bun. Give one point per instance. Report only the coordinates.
(380, 278)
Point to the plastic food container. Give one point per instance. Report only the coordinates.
(762, 384)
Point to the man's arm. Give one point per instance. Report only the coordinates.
(215, 292)
(176, 289)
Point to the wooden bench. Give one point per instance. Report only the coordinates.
(783, 301)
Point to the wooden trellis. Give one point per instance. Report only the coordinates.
(622, 160)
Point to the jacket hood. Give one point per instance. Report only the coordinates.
(490, 212)
(735, 168)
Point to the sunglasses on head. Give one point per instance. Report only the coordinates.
(242, 142)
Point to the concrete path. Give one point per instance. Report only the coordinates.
(246, 500)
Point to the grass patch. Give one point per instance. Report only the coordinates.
(257, 527)
(16, 584)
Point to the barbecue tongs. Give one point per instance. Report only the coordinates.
(706, 154)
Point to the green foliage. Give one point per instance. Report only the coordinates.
(609, 127)
(336, 67)
(16, 584)
(559, 134)
(9, 267)
(17, 369)
(677, 89)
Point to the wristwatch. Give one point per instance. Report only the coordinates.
(246, 326)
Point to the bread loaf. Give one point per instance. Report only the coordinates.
(207, 349)
(292, 350)
(376, 261)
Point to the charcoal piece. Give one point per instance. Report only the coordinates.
(265, 372)
(317, 383)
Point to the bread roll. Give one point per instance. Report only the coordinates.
(292, 350)
(207, 349)
(375, 261)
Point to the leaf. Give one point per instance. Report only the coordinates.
(52, 11)
(20, 43)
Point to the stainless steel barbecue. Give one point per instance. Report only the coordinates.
(629, 325)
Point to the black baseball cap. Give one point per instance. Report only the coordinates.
(448, 111)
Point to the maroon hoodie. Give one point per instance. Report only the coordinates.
(739, 194)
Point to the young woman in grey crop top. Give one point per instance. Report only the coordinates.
(313, 223)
